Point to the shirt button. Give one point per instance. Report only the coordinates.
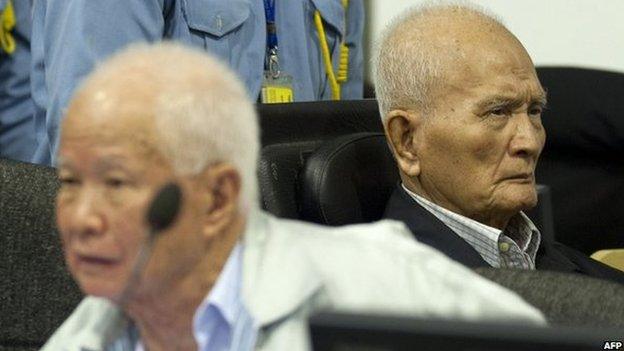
(504, 247)
(218, 20)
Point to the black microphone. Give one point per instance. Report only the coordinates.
(162, 212)
(164, 208)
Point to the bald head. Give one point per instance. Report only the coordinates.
(172, 100)
(431, 48)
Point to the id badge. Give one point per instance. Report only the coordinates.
(276, 89)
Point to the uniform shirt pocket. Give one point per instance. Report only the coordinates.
(215, 17)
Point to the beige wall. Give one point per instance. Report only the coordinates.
(584, 33)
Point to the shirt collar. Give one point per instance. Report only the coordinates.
(223, 298)
(522, 230)
(439, 211)
(518, 228)
(483, 238)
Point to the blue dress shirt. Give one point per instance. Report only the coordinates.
(71, 36)
(221, 322)
(17, 139)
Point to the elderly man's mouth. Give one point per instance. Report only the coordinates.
(95, 261)
(521, 178)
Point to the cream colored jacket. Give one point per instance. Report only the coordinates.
(292, 269)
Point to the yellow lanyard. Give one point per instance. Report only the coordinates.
(343, 66)
(8, 23)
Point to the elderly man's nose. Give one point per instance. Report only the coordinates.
(87, 218)
(528, 138)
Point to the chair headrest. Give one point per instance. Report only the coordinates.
(317, 120)
(348, 180)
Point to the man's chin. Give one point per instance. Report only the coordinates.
(522, 201)
(514, 197)
(104, 289)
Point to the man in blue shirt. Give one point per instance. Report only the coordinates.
(17, 139)
(70, 37)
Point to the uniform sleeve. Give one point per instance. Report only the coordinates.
(71, 36)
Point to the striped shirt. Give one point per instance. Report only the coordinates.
(514, 247)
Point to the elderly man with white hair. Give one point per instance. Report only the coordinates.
(461, 105)
(224, 275)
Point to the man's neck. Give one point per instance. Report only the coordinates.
(164, 318)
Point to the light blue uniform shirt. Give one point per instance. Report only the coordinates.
(221, 322)
(71, 36)
(17, 139)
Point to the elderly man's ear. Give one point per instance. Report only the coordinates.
(403, 128)
(221, 184)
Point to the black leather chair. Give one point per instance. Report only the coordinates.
(291, 132)
(37, 293)
(348, 180)
(582, 160)
(279, 176)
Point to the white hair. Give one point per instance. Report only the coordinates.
(201, 110)
(407, 61)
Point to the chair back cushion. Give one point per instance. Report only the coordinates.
(565, 299)
(37, 293)
(348, 180)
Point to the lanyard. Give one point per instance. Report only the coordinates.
(271, 63)
(269, 11)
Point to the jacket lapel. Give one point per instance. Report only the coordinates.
(550, 259)
(106, 331)
(276, 281)
(429, 230)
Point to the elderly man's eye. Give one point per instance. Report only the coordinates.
(535, 110)
(499, 111)
(68, 181)
(115, 182)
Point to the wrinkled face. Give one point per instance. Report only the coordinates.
(480, 148)
(109, 172)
